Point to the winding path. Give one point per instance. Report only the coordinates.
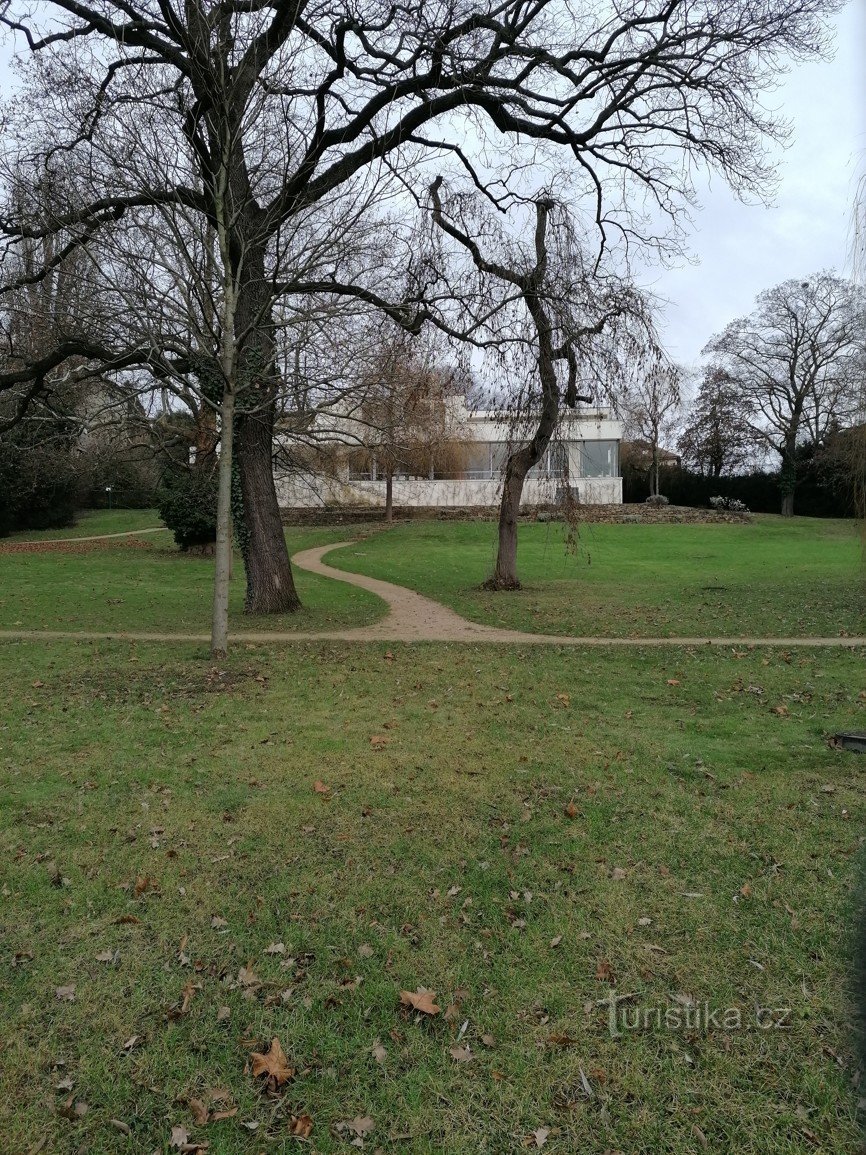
(412, 618)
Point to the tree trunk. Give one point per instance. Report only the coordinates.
(505, 572)
(270, 585)
(219, 639)
(788, 481)
(389, 497)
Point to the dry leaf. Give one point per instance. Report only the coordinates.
(781, 711)
(119, 1125)
(673, 681)
(276, 948)
(273, 1064)
(224, 1014)
(199, 1111)
(564, 698)
(460, 1054)
(570, 810)
(604, 972)
(179, 1137)
(554, 942)
(300, 1126)
(321, 788)
(378, 1052)
(218, 923)
(65, 994)
(422, 1001)
(618, 874)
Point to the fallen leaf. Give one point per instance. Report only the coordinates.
(570, 810)
(564, 698)
(321, 788)
(65, 994)
(781, 711)
(199, 1111)
(218, 923)
(618, 874)
(247, 977)
(119, 1125)
(276, 948)
(422, 1001)
(300, 1126)
(378, 741)
(224, 1014)
(673, 681)
(460, 1054)
(554, 942)
(272, 1064)
(179, 1137)
(539, 1136)
(107, 956)
(378, 1052)
(361, 1125)
(604, 972)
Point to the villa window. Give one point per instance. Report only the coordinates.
(599, 459)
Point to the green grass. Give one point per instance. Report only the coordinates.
(93, 522)
(771, 577)
(450, 857)
(146, 583)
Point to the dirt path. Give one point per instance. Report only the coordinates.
(411, 618)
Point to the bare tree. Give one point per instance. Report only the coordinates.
(651, 406)
(251, 114)
(574, 312)
(796, 363)
(407, 413)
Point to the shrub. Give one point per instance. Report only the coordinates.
(38, 485)
(657, 499)
(733, 504)
(187, 503)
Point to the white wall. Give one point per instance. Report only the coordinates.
(309, 492)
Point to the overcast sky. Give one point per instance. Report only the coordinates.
(742, 249)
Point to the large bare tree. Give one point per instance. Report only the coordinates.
(796, 365)
(251, 113)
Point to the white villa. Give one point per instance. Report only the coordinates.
(584, 458)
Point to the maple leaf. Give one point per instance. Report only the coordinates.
(65, 994)
(273, 1064)
(321, 788)
(421, 1001)
(460, 1054)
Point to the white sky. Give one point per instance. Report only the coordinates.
(742, 249)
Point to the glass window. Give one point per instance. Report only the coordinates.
(476, 460)
(599, 459)
(499, 451)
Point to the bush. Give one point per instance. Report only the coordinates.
(187, 503)
(38, 485)
(657, 499)
(733, 504)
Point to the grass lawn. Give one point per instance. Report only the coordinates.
(516, 830)
(93, 522)
(146, 583)
(771, 577)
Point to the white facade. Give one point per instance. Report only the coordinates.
(584, 458)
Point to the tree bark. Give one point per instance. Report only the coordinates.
(389, 497)
(270, 584)
(219, 642)
(505, 572)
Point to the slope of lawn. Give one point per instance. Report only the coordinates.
(146, 583)
(92, 523)
(768, 577)
(525, 833)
